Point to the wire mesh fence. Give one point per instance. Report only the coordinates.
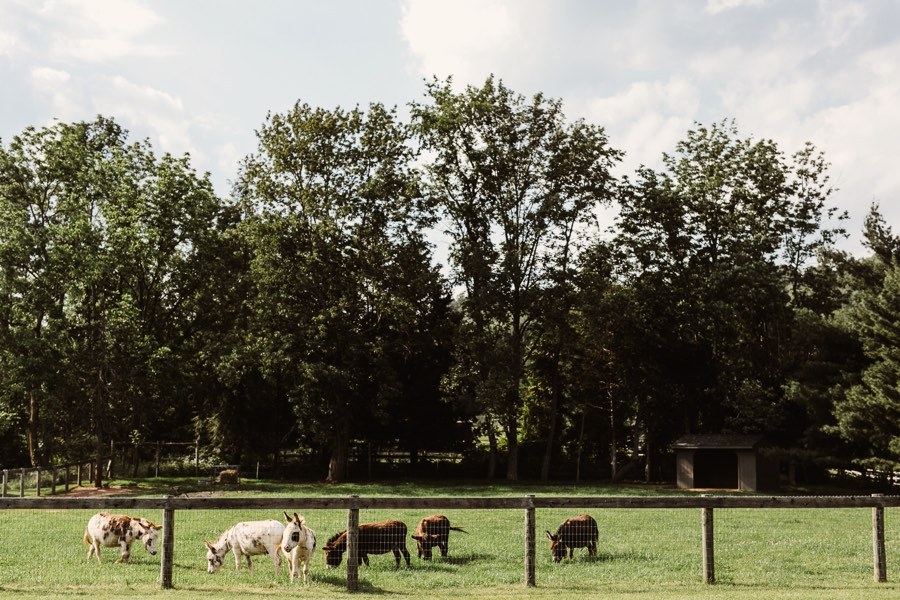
(472, 543)
(45, 549)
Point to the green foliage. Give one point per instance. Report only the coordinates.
(869, 414)
(715, 252)
(345, 309)
(99, 242)
(307, 311)
(512, 179)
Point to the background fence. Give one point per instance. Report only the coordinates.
(45, 480)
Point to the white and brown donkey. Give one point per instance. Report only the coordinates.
(104, 529)
(248, 538)
(298, 542)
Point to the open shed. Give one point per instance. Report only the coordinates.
(723, 461)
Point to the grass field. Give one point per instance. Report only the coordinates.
(774, 553)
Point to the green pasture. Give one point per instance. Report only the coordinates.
(760, 553)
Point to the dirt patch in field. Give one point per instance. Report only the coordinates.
(112, 490)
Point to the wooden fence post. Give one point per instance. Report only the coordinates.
(21, 483)
(168, 545)
(709, 568)
(878, 552)
(5, 482)
(529, 541)
(353, 545)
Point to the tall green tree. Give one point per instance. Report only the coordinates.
(510, 176)
(340, 269)
(867, 413)
(98, 244)
(717, 245)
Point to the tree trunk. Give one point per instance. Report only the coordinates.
(32, 433)
(580, 441)
(648, 464)
(613, 466)
(98, 452)
(492, 451)
(136, 458)
(551, 434)
(340, 453)
(512, 445)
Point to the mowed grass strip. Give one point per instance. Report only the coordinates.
(790, 553)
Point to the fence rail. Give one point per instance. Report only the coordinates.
(353, 504)
(438, 502)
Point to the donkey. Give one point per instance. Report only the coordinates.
(433, 531)
(298, 543)
(104, 529)
(374, 538)
(577, 532)
(248, 538)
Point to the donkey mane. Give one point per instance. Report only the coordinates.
(335, 538)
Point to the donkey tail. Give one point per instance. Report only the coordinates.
(459, 529)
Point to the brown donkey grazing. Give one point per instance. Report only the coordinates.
(374, 538)
(577, 532)
(433, 531)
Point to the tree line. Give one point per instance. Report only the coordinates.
(308, 310)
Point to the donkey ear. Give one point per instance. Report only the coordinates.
(550, 536)
(286, 517)
(298, 518)
(208, 545)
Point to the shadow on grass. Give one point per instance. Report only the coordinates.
(437, 563)
(339, 580)
(604, 557)
(191, 485)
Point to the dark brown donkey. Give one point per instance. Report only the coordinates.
(577, 532)
(433, 531)
(374, 538)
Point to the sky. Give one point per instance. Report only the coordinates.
(200, 76)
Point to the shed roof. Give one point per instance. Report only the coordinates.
(717, 441)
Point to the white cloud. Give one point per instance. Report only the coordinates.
(46, 77)
(647, 118)
(142, 108)
(59, 89)
(470, 39)
(715, 7)
(839, 18)
(858, 135)
(147, 108)
(10, 44)
(91, 31)
(228, 157)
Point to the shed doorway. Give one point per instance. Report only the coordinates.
(716, 469)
